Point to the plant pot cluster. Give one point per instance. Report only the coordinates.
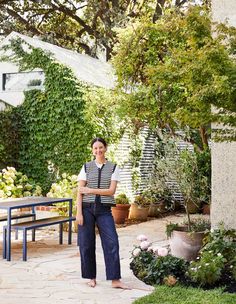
(139, 210)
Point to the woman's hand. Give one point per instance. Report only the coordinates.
(85, 190)
(79, 219)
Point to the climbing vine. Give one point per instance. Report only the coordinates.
(9, 138)
(54, 134)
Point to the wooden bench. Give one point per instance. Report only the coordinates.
(25, 226)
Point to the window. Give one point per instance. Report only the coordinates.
(22, 81)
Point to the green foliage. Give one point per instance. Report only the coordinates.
(193, 183)
(15, 184)
(140, 263)
(85, 26)
(66, 187)
(188, 171)
(164, 266)
(121, 199)
(54, 135)
(217, 262)
(9, 138)
(100, 111)
(175, 70)
(208, 270)
(197, 224)
(222, 241)
(142, 200)
(153, 269)
(186, 295)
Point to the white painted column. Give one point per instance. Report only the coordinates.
(223, 207)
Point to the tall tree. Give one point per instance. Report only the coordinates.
(86, 26)
(175, 70)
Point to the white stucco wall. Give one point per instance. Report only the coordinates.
(223, 207)
(13, 98)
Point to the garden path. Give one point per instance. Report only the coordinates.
(52, 272)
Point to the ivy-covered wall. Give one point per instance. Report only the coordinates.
(54, 134)
(9, 138)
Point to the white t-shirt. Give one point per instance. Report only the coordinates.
(115, 175)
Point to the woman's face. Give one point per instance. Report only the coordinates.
(99, 149)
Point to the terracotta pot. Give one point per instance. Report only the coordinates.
(186, 245)
(193, 208)
(206, 209)
(138, 213)
(120, 212)
(156, 209)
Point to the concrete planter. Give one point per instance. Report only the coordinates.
(186, 245)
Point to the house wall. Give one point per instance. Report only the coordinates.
(12, 98)
(224, 154)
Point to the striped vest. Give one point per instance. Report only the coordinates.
(99, 178)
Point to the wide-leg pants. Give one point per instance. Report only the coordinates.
(100, 215)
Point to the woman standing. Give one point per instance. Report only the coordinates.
(97, 185)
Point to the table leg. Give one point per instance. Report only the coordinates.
(70, 222)
(8, 244)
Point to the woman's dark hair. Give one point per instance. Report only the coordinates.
(100, 140)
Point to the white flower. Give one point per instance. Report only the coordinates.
(219, 254)
(163, 252)
(136, 251)
(144, 245)
(141, 237)
(64, 175)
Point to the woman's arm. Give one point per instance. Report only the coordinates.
(79, 214)
(107, 192)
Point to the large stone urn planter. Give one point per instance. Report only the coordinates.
(120, 213)
(185, 244)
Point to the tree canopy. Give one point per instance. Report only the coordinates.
(86, 26)
(176, 70)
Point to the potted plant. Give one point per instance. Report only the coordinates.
(140, 207)
(121, 211)
(186, 239)
(185, 243)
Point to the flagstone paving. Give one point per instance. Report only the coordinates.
(52, 272)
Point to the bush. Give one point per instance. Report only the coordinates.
(153, 265)
(66, 187)
(164, 267)
(15, 184)
(217, 261)
(121, 199)
(208, 270)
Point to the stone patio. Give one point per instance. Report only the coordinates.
(52, 272)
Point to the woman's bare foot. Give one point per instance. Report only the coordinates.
(92, 283)
(119, 284)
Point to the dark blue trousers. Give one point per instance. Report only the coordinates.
(100, 215)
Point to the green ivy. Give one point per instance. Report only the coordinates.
(54, 134)
(56, 124)
(9, 138)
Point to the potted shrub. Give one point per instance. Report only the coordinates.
(140, 207)
(184, 242)
(121, 211)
